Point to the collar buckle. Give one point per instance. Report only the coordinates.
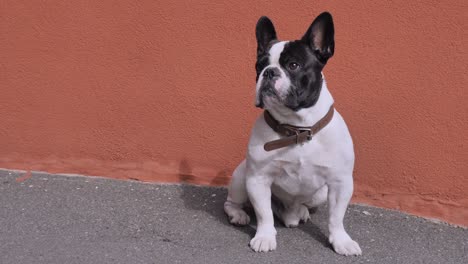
(294, 134)
(297, 132)
(309, 134)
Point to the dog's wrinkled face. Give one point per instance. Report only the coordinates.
(289, 73)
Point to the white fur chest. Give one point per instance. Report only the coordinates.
(302, 169)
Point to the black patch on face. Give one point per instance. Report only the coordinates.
(304, 70)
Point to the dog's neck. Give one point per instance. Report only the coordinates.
(306, 116)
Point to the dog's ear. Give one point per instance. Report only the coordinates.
(265, 32)
(321, 37)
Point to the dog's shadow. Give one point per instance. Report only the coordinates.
(208, 200)
(211, 201)
(313, 229)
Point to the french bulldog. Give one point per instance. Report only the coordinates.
(290, 85)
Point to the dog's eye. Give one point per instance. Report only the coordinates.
(293, 66)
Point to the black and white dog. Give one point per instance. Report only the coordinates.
(292, 88)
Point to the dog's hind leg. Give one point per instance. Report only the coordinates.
(289, 211)
(318, 198)
(295, 214)
(237, 197)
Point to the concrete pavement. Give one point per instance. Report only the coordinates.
(61, 219)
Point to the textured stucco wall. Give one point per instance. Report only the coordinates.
(163, 91)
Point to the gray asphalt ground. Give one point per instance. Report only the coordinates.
(62, 219)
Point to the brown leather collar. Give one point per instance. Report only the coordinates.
(294, 134)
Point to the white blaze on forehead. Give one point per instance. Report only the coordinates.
(282, 84)
(275, 52)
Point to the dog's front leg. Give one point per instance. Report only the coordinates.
(339, 195)
(259, 190)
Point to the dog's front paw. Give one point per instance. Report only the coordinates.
(344, 245)
(348, 248)
(263, 243)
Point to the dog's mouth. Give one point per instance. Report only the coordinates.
(266, 92)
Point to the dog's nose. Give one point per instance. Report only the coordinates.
(271, 73)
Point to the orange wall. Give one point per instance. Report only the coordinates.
(164, 90)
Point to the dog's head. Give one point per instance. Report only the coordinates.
(289, 73)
